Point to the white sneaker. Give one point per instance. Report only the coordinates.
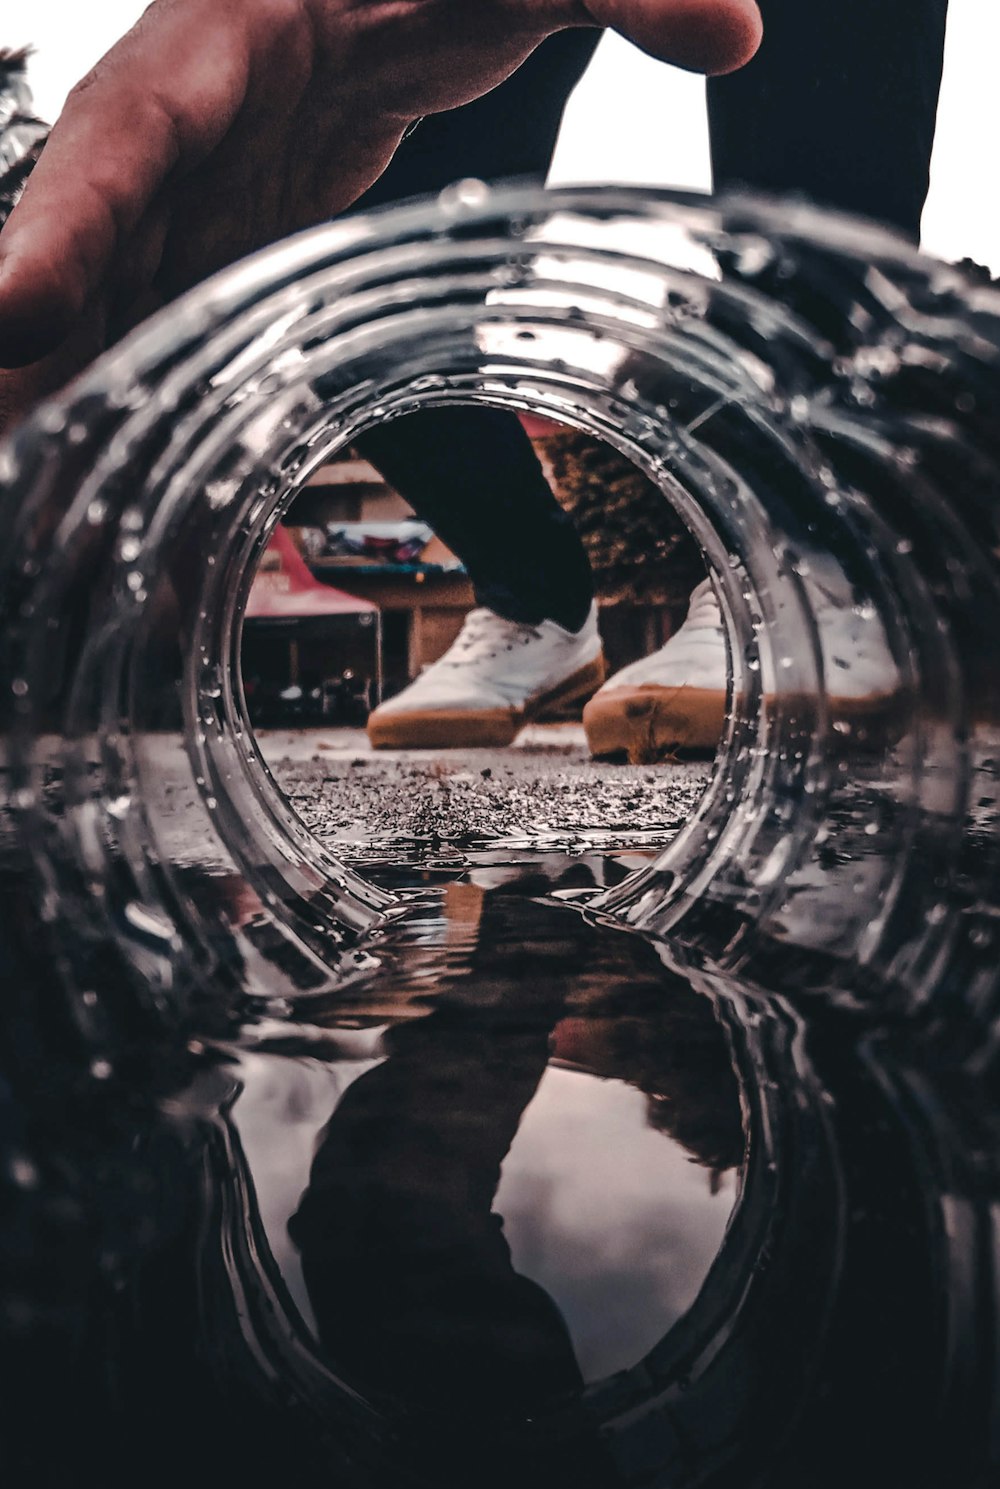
(494, 678)
(673, 699)
(676, 698)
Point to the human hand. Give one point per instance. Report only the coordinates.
(217, 126)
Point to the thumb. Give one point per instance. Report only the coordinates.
(711, 36)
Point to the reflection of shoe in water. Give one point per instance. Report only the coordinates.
(676, 698)
(495, 677)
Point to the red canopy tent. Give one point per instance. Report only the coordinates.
(307, 633)
(285, 589)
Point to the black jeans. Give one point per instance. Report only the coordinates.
(838, 106)
(472, 472)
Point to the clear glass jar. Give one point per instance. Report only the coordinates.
(817, 401)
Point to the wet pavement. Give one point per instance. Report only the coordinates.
(545, 792)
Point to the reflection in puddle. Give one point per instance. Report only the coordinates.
(529, 1205)
(529, 1130)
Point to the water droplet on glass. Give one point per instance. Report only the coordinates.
(23, 1173)
(467, 195)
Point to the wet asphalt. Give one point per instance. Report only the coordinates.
(542, 792)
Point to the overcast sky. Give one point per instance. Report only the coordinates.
(635, 120)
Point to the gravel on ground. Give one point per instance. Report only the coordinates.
(542, 792)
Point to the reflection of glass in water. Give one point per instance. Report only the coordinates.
(608, 1221)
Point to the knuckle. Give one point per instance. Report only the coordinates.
(81, 90)
(284, 19)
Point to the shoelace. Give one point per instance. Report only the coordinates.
(484, 636)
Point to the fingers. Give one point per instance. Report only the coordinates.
(22, 389)
(197, 75)
(121, 136)
(711, 36)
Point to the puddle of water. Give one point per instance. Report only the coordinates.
(531, 1202)
(529, 1197)
(528, 1093)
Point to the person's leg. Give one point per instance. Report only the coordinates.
(473, 475)
(839, 105)
(470, 472)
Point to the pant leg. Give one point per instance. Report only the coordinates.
(839, 105)
(472, 473)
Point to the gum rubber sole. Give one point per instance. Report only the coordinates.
(870, 724)
(484, 728)
(646, 723)
(649, 723)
